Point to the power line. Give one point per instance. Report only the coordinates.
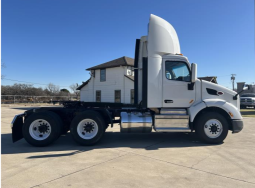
(224, 75)
(28, 82)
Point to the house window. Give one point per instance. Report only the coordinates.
(132, 96)
(98, 96)
(102, 75)
(117, 96)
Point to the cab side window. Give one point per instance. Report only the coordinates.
(177, 70)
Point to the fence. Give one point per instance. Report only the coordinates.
(12, 99)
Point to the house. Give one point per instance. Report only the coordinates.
(112, 81)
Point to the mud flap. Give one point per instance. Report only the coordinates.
(17, 129)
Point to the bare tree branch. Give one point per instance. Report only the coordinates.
(2, 66)
(53, 89)
(73, 87)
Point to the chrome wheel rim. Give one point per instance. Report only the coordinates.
(87, 129)
(40, 129)
(213, 128)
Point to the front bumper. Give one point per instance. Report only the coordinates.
(237, 125)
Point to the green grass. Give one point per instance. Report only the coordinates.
(248, 112)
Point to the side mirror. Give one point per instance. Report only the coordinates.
(246, 87)
(193, 72)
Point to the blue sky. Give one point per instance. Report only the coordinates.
(56, 40)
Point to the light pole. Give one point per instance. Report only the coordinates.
(233, 80)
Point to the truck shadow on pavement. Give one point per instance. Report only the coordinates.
(112, 140)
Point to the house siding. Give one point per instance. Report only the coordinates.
(115, 80)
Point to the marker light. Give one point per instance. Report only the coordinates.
(231, 114)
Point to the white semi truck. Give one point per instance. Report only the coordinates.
(168, 98)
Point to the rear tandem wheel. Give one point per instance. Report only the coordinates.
(42, 128)
(88, 128)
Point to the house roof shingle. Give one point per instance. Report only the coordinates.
(212, 79)
(83, 84)
(130, 77)
(122, 61)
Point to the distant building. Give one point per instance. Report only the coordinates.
(240, 87)
(112, 81)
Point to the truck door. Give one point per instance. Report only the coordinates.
(176, 77)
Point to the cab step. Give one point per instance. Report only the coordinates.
(166, 111)
(172, 120)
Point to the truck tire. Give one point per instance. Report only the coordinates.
(211, 128)
(43, 128)
(87, 128)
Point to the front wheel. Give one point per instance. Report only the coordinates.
(211, 128)
(88, 128)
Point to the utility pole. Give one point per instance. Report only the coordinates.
(233, 80)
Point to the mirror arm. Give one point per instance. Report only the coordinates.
(191, 86)
(235, 97)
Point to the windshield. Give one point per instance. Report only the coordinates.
(248, 95)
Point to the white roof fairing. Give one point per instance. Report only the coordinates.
(162, 38)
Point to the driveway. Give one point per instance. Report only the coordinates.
(129, 160)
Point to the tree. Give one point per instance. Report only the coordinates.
(53, 89)
(22, 89)
(64, 90)
(2, 66)
(74, 87)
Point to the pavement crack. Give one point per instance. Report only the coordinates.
(196, 169)
(213, 153)
(63, 176)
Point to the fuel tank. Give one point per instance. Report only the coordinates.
(135, 122)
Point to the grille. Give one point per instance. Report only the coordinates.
(246, 100)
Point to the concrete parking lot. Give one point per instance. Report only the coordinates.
(129, 160)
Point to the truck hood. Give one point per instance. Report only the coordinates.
(210, 91)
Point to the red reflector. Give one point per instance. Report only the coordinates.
(220, 93)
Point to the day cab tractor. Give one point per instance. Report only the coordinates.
(168, 98)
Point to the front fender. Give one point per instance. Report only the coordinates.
(233, 111)
(195, 109)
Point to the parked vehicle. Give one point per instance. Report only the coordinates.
(168, 98)
(247, 100)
